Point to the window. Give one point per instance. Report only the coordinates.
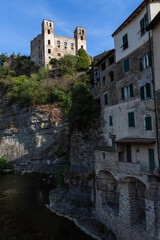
(111, 60)
(49, 31)
(131, 119)
(148, 123)
(145, 91)
(82, 32)
(145, 62)
(110, 120)
(81, 37)
(104, 80)
(59, 54)
(143, 24)
(58, 42)
(49, 42)
(128, 152)
(103, 156)
(125, 41)
(49, 50)
(50, 24)
(82, 46)
(72, 44)
(111, 76)
(126, 65)
(103, 66)
(79, 31)
(127, 92)
(46, 23)
(65, 43)
(106, 99)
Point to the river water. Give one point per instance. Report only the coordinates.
(23, 214)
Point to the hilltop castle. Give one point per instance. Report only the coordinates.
(47, 45)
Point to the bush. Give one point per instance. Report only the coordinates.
(24, 66)
(84, 109)
(54, 62)
(4, 70)
(3, 58)
(4, 164)
(43, 73)
(67, 64)
(60, 176)
(83, 60)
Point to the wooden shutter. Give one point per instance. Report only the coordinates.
(131, 120)
(142, 92)
(149, 58)
(142, 26)
(125, 41)
(151, 159)
(148, 122)
(126, 65)
(123, 96)
(110, 120)
(145, 20)
(131, 90)
(148, 90)
(106, 99)
(141, 64)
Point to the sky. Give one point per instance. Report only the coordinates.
(20, 21)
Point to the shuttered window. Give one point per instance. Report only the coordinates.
(142, 92)
(131, 90)
(148, 90)
(126, 65)
(110, 120)
(148, 123)
(141, 64)
(105, 98)
(123, 96)
(149, 58)
(125, 41)
(131, 119)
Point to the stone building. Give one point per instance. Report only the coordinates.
(127, 159)
(47, 45)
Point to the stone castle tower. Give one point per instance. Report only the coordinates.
(47, 45)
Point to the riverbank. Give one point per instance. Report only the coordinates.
(77, 210)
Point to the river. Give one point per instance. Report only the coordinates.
(23, 214)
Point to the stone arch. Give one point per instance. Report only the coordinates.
(136, 191)
(109, 188)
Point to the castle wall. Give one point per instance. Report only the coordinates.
(37, 53)
(66, 46)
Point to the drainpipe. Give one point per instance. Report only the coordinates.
(153, 81)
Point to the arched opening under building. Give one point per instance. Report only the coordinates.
(108, 186)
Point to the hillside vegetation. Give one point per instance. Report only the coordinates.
(68, 83)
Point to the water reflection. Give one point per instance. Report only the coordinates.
(23, 214)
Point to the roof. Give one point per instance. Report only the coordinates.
(154, 22)
(133, 15)
(108, 54)
(137, 140)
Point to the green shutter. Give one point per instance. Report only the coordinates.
(148, 90)
(149, 58)
(125, 41)
(145, 20)
(126, 65)
(148, 122)
(123, 97)
(131, 120)
(131, 90)
(142, 26)
(110, 120)
(151, 159)
(142, 92)
(106, 99)
(141, 64)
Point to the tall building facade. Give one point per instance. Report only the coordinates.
(47, 45)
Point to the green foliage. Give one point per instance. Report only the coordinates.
(53, 62)
(67, 64)
(4, 164)
(43, 73)
(27, 91)
(24, 66)
(3, 57)
(64, 97)
(60, 176)
(84, 109)
(83, 60)
(4, 70)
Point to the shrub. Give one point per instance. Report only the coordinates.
(60, 176)
(4, 71)
(3, 58)
(83, 60)
(54, 62)
(43, 73)
(67, 64)
(24, 66)
(4, 164)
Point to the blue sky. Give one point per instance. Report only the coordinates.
(20, 21)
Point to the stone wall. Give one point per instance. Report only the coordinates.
(34, 138)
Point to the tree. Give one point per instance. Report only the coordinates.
(83, 60)
(3, 58)
(67, 64)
